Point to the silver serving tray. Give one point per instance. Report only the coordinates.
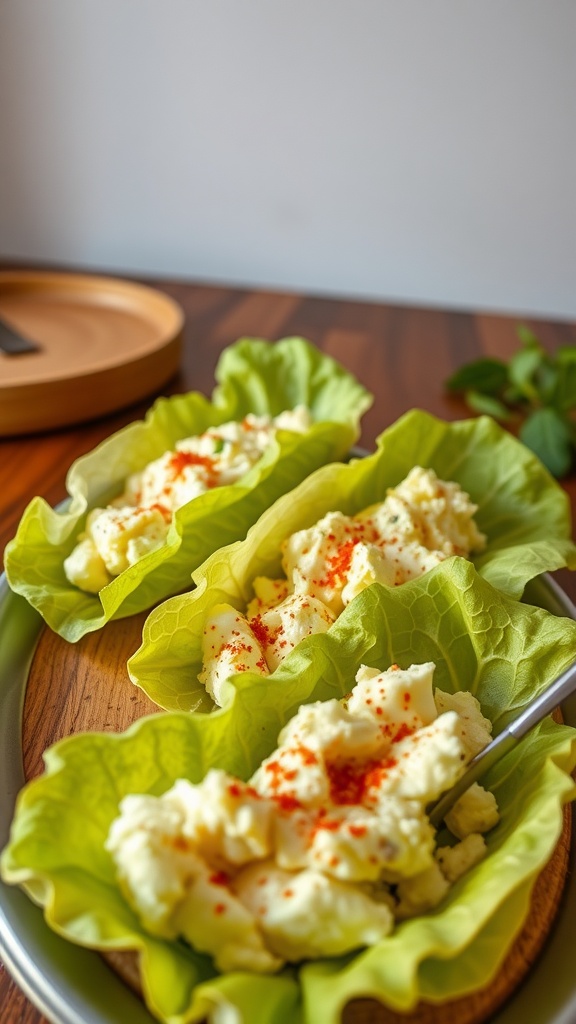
(71, 985)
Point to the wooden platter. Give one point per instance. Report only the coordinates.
(74, 688)
(103, 344)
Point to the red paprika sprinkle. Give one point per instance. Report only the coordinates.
(287, 803)
(347, 781)
(350, 782)
(263, 634)
(308, 756)
(219, 878)
(402, 733)
(179, 460)
(325, 824)
(377, 773)
(164, 512)
(339, 564)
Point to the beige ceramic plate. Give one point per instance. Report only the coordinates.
(103, 345)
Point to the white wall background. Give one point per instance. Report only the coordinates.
(413, 150)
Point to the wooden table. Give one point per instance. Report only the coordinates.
(402, 354)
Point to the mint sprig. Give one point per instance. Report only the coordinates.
(533, 389)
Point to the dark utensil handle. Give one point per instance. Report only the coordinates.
(13, 343)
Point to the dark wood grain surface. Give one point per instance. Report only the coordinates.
(402, 354)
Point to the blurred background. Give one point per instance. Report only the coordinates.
(421, 152)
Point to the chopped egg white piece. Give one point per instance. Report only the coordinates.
(86, 566)
(122, 536)
(420, 523)
(229, 646)
(368, 565)
(267, 594)
(421, 892)
(331, 729)
(424, 510)
(404, 699)
(425, 763)
(225, 817)
(215, 921)
(477, 728)
(309, 914)
(456, 860)
(475, 811)
(315, 560)
(282, 627)
(356, 843)
(137, 521)
(324, 847)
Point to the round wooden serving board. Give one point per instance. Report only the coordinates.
(79, 687)
(103, 344)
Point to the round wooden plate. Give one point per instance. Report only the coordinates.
(103, 344)
(77, 687)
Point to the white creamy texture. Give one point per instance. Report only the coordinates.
(420, 523)
(325, 847)
(455, 861)
(137, 522)
(475, 811)
(230, 646)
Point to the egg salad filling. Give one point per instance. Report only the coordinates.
(421, 522)
(137, 521)
(328, 844)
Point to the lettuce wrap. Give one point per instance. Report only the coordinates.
(524, 513)
(253, 376)
(501, 650)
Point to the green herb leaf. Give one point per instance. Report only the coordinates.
(486, 375)
(527, 337)
(534, 387)
(522, 369)
(547, 377)
(513, 396)
(488, 405)
(565, 392)
(566, 354)
(548, 435)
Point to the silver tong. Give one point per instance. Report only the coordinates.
(532, 714)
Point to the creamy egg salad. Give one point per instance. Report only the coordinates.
(137, 521)
(421, 522)
(328, 844)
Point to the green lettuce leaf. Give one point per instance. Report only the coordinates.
(501, 650)
(253, 376)
(522, 510)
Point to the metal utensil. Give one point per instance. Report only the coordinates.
(13, 343)
(532, 714)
